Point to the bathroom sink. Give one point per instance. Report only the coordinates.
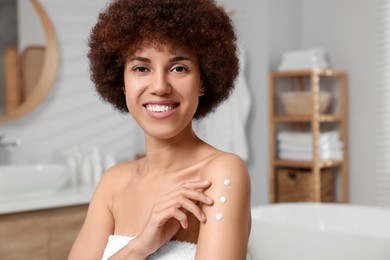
(32, 178)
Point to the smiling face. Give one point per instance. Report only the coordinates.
(162, 90)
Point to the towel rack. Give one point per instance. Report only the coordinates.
(312, 122)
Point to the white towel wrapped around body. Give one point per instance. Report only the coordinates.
(172, 250)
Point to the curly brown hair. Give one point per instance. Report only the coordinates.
(200, 25)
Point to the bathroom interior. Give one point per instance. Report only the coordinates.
(57, 137)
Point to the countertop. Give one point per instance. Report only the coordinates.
(69, 196)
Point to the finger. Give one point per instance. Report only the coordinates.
(162, 217)
(181, 217)
(196, 185)
(185, 201)
(175, 198)
(195, 195)
(190, 206)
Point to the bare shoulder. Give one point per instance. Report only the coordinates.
(228, 219)
(118, 175)
(226, 166)
(229, 176)
(112, 183)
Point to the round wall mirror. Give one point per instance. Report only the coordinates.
(28, 57)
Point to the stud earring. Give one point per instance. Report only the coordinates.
(201, 92)
(124, 91)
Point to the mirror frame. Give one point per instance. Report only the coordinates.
(49, 70)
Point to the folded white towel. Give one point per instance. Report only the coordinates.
(304, 59)
(306, 137)
(333, 145)
(317, 51)
(303, 156)
(302, 65)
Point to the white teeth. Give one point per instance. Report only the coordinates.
(159, 108)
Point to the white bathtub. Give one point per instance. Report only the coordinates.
(313, 231)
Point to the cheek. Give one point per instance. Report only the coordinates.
(194, 97)
(129, 103)
(130, 95)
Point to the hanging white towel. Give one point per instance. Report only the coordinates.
(225, 129)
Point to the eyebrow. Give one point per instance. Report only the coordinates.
(174, 59)
(138, 58)
(179, 58)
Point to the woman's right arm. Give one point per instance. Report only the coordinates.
(98, 224)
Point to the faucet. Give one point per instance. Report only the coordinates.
(4, 145)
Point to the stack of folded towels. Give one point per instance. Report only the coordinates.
(304, 60)
(298, 146)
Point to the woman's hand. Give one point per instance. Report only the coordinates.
(170, 212)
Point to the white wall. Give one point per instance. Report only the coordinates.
(251, 21)
(284, 29)
(346, 29)
(30, 29)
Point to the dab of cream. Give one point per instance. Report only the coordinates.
(219, 216)
(226, 182)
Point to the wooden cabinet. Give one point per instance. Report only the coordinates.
(43, 234)
(313, 81)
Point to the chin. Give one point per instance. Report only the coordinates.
(163, 133)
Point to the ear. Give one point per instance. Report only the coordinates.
(202, 90)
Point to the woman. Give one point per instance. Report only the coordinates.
(167, 63)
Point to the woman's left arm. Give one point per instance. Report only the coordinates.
(226, 232)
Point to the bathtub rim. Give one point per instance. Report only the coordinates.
(365, 231)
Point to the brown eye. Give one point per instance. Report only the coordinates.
(140, 69)
(179, 69)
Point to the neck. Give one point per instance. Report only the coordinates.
(167, 155)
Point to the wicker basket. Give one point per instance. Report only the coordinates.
(300, 102)
(295, 185)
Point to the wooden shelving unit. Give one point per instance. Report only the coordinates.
(315, 120)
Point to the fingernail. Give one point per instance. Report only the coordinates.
(206, 182)
(210, 200)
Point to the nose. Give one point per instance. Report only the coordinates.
(160, 84)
